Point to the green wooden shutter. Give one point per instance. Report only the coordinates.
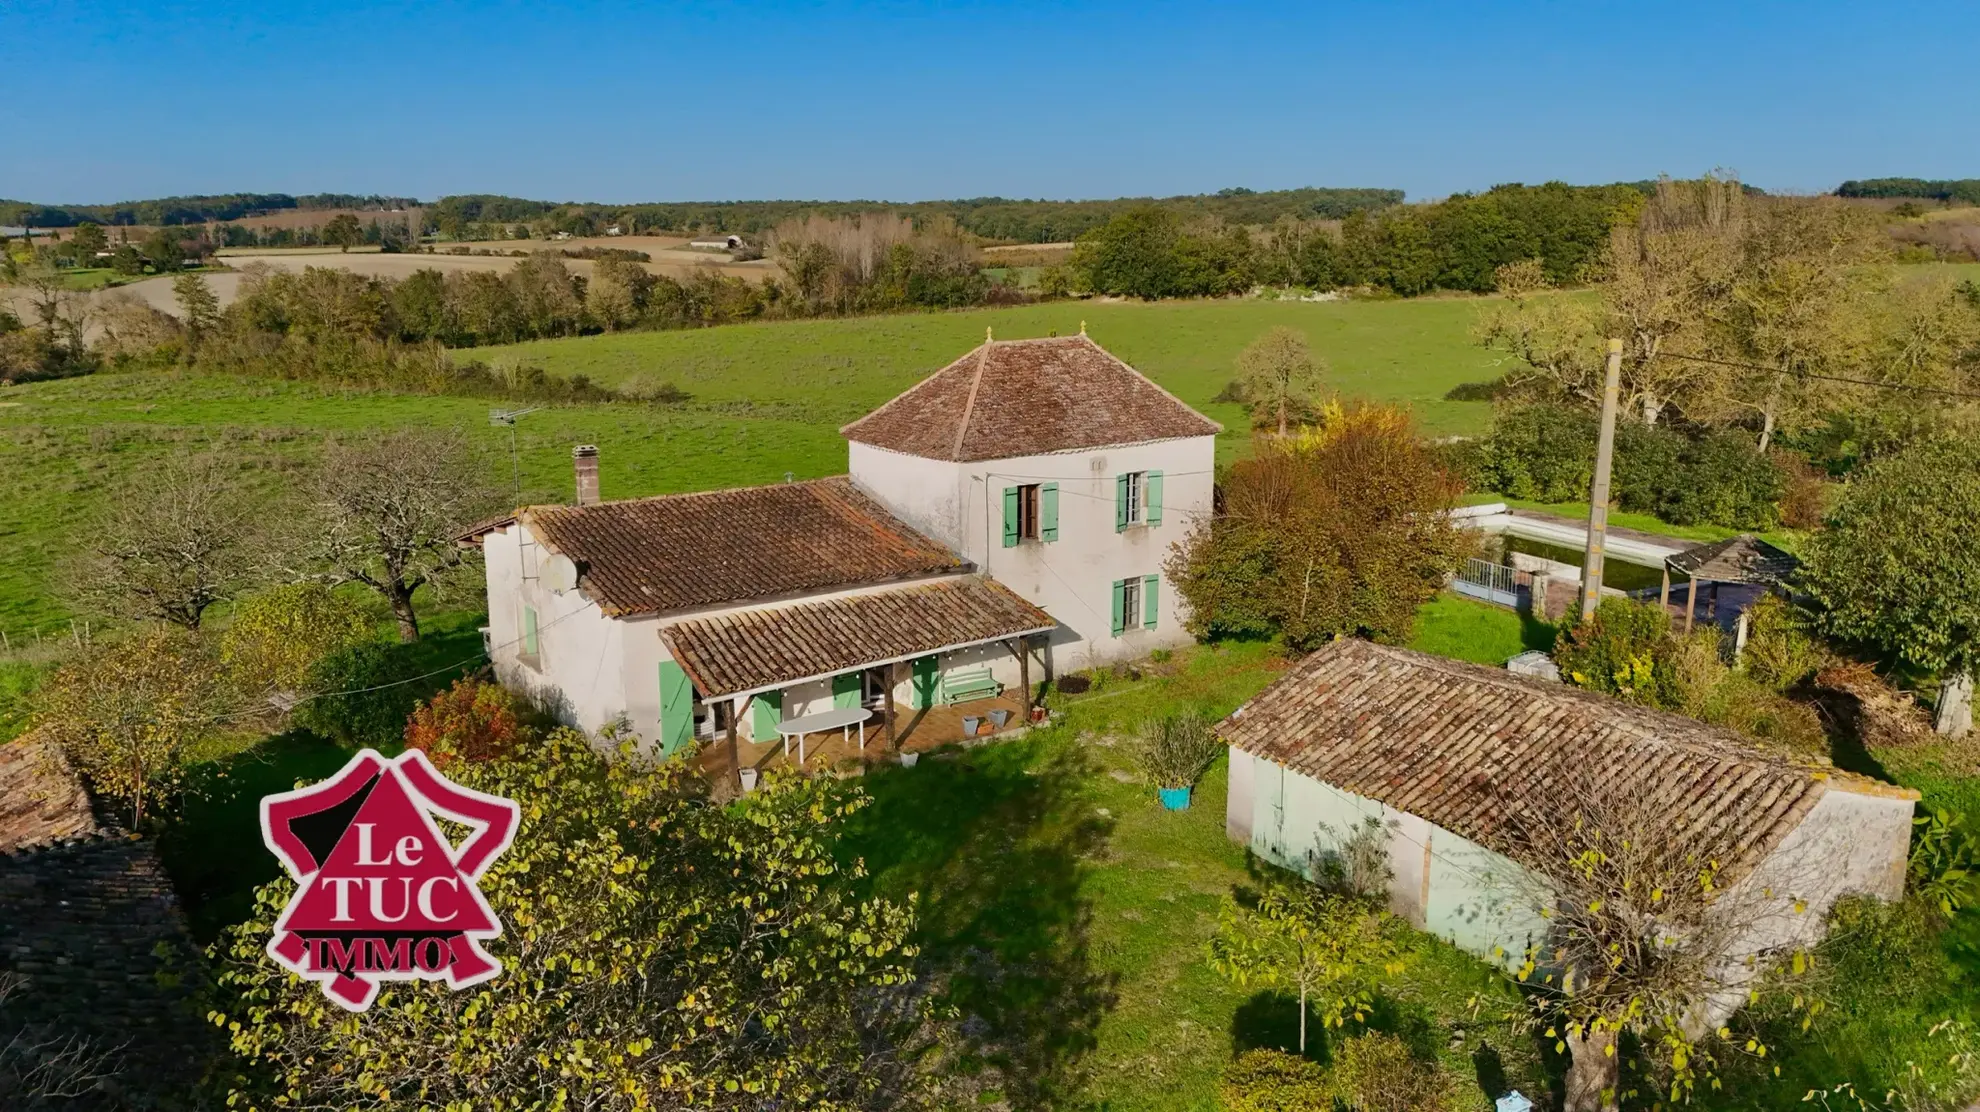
(1010, 517)
(766, 713)
(676, 708)
(1120, 606)
(1150, 609)
(1048, 512)
(921, 691)
(1120, 503)
(1154, 484)
(845, 690)
(529, 631)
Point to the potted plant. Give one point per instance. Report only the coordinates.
(908, 760)
(748, 777)
(1172, 752)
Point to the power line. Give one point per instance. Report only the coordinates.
(1970, 396)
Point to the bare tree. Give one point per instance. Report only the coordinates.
(178, 536)
(1279, 374)
(391, 506)
(1651, 928)
(44, 1069)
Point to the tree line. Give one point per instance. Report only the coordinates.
(199, 209)
(990, 218)
(1456, 244)
(1961, 190)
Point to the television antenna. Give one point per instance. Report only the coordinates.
(500, 417)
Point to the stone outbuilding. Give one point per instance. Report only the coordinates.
(1446, 755)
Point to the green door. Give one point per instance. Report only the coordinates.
(676, 708)
(921, 696)
(845, 690)
(766, 713)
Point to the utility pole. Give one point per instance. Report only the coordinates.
(1598, 496)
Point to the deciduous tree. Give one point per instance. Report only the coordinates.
(278, 635)
(1331, 950)
(1341, 530)
(199, 309)
(127, 713)
(390, 507)
(1897, 567)
(1279, 375)
(343, 230)
(177, 536)
(659, 952)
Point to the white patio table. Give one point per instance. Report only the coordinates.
(842, 719)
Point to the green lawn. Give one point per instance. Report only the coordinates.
(1079, 909)
(768, 400)
(1465, 629)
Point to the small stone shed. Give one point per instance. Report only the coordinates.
(1443, 753)
(92, 943)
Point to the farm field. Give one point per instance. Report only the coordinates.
(766, 400)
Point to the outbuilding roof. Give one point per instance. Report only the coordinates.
(751, 650)
(652, 555)
(1009, 398)
(1742, 559)
(1469, 747)
(42, 800)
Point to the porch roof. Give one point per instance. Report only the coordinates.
(763, 648)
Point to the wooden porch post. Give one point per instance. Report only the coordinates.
(893, 730)
(1664, 595)
(1690, 601)
(735, 750)
(1024, 674)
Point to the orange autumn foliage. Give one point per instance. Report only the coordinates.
(472, 720)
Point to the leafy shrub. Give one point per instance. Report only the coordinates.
(1274, 1081)
(1779, 651)
(1945, 860)
(1617, 651)
(280, 634)
(1697, 667)
(1174, 750)
(1805, 491)
(1725, 481)
(1542, 453)
(365, 694)
(1649, 466)
(472, 720)
(1744, 704)
(1377, 1073)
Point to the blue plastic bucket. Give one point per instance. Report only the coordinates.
(1175, 799)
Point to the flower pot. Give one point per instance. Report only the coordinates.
(748, 778)
(971, 723)
(1040, 714)
(998, 718)
(908, 759)
(1175, 799)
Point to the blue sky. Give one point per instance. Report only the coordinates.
(623, 102)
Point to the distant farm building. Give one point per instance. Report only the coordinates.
(717, 243)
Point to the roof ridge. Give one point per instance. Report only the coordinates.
(684, 495)
(1717, 741)
(903, 395)
(1129, 367)
(969, 405)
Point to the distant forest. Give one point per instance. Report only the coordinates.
(1965, 190)
(992, 218)
(187, 210)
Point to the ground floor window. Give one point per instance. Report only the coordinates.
(1137, 603)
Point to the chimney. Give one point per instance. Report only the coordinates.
(584, 459)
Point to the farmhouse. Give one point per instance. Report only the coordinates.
(1003, 520)
(1450, 757)
(717, 242)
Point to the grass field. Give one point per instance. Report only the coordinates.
(767, 400)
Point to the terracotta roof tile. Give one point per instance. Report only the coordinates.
(1028, 397)
(41, 798)
(652, 555)
(1463, 746)
(753, 649)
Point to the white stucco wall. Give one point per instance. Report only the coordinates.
(592, 670)
(1071, 578)
(1848, 844)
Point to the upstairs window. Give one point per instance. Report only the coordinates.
(1031, 513)
(1137, 499)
